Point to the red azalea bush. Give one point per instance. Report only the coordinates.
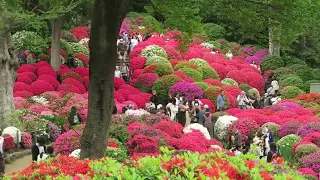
(47, 71)
(314, 138)
(82, 71)
(26, 68)
(141, 103)
(26, 140)
(118, 82)
(23, 94)
(238, 76)
(41, 86)
(245, 126)
(31, 75)
(255, 80)
(41, 64)
(67, 142)
(174, 129)
(194, 141)
(76, 83)
(63, 71)
(8, 143)
(130, 88)
(209, 103)
(86, 82)
(136, 73)
(20, 86)
(51, 80)
(213, 82)
(260, 119)
(143, 144)
(22, 77)
(285, 114)
(220, 69)
(82, 57)
(72, 75)
(233, 90)
(127, 92)
(80, 32)
(67, 88)
(137, 63)
(234, 111)
(118, 96)
(144, 82)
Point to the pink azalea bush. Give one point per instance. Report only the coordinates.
(26, 140)
(245, 126)
(67, 142)
(144, 82)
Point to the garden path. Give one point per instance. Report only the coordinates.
(19, 164)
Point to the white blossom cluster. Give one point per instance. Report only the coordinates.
(222, 125)
(197, 126)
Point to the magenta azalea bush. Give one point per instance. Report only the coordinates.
(311, 161)
(309, 128)
(189, 90)
(67, 142)
(26, 140)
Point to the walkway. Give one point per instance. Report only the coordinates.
(18, 164)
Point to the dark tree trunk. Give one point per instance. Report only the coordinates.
(8, 65)
(106, 22)
(56, 25)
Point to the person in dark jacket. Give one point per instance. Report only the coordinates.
(74, 117)
(38, 148)
(272, 153)
(154, 98)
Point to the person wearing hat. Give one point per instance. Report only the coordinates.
(256, 148)
(208, 121)
(201, 114)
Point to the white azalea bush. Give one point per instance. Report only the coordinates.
(222, 125)
(14, 132)
(199, 62)
(138, 112)
(197, 126)
(28, 40)
(156, 59)
(39, 99)
(75, 153)
(84, 41)
(154, 50)
(207, 45)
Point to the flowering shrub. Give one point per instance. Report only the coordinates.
(222, 125)
(82, 57)
(254, 91)
(26, 68)
(294, 147)
(141, 144)
(160, 68)
(191, 73)
(312, 127)
(162, 85)
(189, 90)
(289, 127)
(68, 88)
(29, 40)
(208, 72)
(76, 83)
(80, 32)
(23, 94)
(271, 63)
(46, 70)
(153, 50)
(26, 140)
(145, 82)
(233, 90)
(174, 129)
(305, 149)
(22, 77)
(51, 80)
(290, 92)
(156, 60)
(291, 80)
(202, 85)
(313, 137)
(245, 126)
(14, 132)
(67, 142)
(41, 86)
(141, 103)
(285, 145)
(137, 63)
(199, 62)
(273, 127)
(213, 82)
(20, 86)
(311, 161)
(229, 81)
(8, 143)
(75, 48)
(212, 93)
(185, 64)
(307, 171)
(238, 76)
(54, 131)
(197, 127)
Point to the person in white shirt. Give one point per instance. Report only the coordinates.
(229, 55)
(275, 99)
(134, 42)
(274, 87)
(139, 37)
(253, 64)
(242, 100)
(117, 72)
(2, 162)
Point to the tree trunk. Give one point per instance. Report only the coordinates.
(56, 25)
(274, 42)
(8, 65)
(106, 22)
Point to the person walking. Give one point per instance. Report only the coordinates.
(221, 101)
(38, 148)
(242, 101)
(208, 121)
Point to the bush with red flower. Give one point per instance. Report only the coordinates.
(141, 144)
(67, 142)
(180, 74)
(141, 103)
(23, 94)
(82, 71)
(51, 80)
(80, 32)
(137, 63)
(68, 88)
(20, 86)
(144, 82)
(212, 93)
(26, 68)
(238, 76)
(174, 129)
(23, 77)
(8, 143)
(76, 83)
(233, 90)
(26, 140)
(41, 86)
(72, 75)
(213, 82)
(313, 137)
(82, 57)
(245, 126)
(160, 69)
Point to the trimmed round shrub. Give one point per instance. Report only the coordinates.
(76, 48)
(285, 145)
(291, 92)
(28, 40)
(26, 68)
(68, 88)
(212, 93)
(311, 161)
(189, 90)
(279, 72)
(46, 70)
(185, 64)
(228, 82)
(305, 73)
(72, 75)
(291, 80)
(273, 127)
(233, 90)
(41, 64)
(83, 71)
(23, 77)
(140, 102)
(271, 63)
(306, 129)
(208, 72)
(191, 73)
(23, 94)
(199, 62)
(26, 140)
(202, 85)
(254, 91)
(308, 174)
(238, 76)
(144, 82)
(305, 149)
(41, 86)
(156, 60)
(245, 87)
(137, 63)
(154, 50)
(118, 82)
(162, 85)
(213, 82)
(76, 83)
(20, 86)
(313, 137)
(289, 127)
(160, 69)
(8, 143)
(51, 80)
(292, 60)
(245, 126)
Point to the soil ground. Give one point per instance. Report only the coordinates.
(18, 164)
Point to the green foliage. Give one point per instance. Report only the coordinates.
(185, 64)
(156, 59)
(57, 120)
(119, 132)
(163, 84)
(203, 85)
(161, 68)
(199, 62)
(214, 31)
(154, 50)
(305, 149)
(272, 63)
(292, 60)
(310, 177)
(13, 119)
(254, 91)
(273, 127)
(208, 72)
(316, 74)
(245, 87)
(229, 81)
(37, 125)
(156, 26)
(27, 40)
(305, 73)
(306, 85)
(291, 80)
(279, 72)
(75, 48)
(191, 73)
(291, 92)
(285, 145)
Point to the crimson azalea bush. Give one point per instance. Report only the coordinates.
(26, 68)
(46, 70)
(162, 85)
(174, 129)
(51, 80)
(22, 77)
(313, 137)
(82, 71)
(137, 63)
(67, 142)
(245, 126)
(8, 143)
(72, 75)
(213, 82)
(144, 82)
(212, 93)
(238, 76)
(308, 172)
(76, 83)
(233, 90)
(190, 91)
(41, 86)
